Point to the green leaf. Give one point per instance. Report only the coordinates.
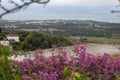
(77, 75)
(66, 72)
(18, 78)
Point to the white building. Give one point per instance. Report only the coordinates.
(4, 43)
(13, 37)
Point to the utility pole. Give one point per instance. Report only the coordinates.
(0, 19)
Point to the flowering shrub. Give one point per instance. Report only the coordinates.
(7, 72)
(53, 67)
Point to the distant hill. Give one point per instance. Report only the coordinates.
(67, 27)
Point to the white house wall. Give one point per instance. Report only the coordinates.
(13, 38)
(4, 43)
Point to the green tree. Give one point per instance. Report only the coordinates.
(36, 40)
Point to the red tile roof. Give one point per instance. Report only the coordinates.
(13, 35)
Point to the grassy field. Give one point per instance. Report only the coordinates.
(103, 40)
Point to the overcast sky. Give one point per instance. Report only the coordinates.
(68, 9)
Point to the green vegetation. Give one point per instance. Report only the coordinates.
(71, 27)
(117, 78)
(7, 72)
(23, 35)
(2, 36)
(103, 40)
(69, 73)
(4, 51)
(96, 32)
(36, 40)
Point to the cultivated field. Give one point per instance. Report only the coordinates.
(103, 40)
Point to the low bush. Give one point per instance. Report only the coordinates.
(54, 67)
(7, 71)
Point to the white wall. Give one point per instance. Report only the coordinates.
(16, 38)
(4, 43)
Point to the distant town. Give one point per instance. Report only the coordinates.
(64, 27)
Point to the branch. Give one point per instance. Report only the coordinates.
(115, 11)
(18, 7)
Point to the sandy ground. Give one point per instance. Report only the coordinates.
(93, 48)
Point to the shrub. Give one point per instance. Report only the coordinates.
(53, 67)
(7, 71)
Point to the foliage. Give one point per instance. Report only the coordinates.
(4, 51)
(2, 36)
(117, 78)
(36, 40)
(16, 46)
(7, 72)
(70, 74)
(23, 35)
(83, 66)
